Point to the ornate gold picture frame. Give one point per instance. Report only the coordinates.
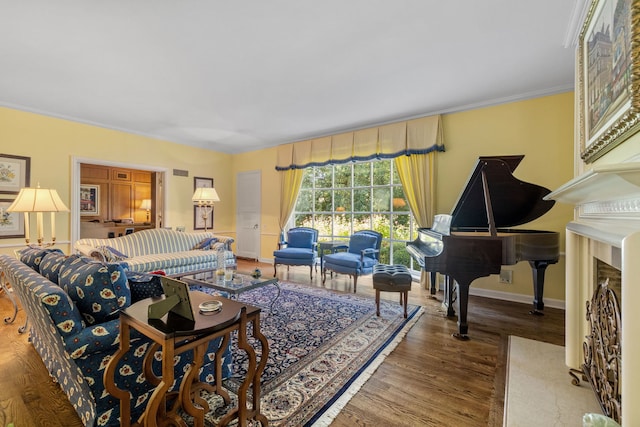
(608, 76)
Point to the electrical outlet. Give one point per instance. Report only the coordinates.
(506, 276)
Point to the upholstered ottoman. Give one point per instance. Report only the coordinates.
(391, 278)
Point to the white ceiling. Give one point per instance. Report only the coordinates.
(236, 76)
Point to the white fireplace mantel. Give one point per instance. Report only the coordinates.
(606, 227)
(615, 188)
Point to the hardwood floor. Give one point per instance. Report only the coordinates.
(430, 379)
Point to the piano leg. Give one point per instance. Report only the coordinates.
(463, 303)
(449, 290)
(432, 289)
(538, 269)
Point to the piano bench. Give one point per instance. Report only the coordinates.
(392, 278)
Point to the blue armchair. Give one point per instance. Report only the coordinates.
(363, 252)
(300, 248)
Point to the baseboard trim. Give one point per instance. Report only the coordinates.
(509, 296)
(487, 293)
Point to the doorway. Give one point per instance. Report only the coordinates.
(248, 212)
(158, 195)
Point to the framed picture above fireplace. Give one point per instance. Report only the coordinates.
(608, 90)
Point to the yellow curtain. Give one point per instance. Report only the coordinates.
(393, 139)
(290, 179)
(365, 144)
(290, 182)
(413, 144)
(342, 147)
(418, 136)
(416, 173)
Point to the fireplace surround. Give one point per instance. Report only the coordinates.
(606, 228)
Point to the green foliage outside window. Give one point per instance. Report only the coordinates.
(339, 200)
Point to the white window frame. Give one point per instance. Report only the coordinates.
(390, 241)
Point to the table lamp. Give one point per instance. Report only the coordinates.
(38, 200)
(204, 198)
(146, 205)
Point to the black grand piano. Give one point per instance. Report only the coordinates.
(476, 243)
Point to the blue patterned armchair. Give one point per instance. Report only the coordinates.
(72, 303)
(300, 248)
(362, 253)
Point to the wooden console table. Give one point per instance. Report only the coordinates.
(177, 335)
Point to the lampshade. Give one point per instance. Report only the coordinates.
(146, 204)
(37, 200)
(205, 196)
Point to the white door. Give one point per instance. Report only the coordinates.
(248, 203)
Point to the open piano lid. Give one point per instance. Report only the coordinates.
(514, 202)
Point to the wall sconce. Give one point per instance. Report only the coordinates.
(146, 205)
(204, 198)
(38, 200)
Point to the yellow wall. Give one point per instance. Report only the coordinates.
(265, 162)
(541, 129)
(52, 143)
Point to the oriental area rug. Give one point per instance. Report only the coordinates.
(323, 346)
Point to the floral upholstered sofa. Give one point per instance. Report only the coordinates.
(160, 249)
(72, 304)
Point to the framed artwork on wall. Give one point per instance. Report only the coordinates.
(11, 224)
(199, 182)
(89, 199)
(202, 216)
(609, 90)
(14, 173)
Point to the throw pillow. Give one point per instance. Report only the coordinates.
(206, 243)
(99, 290)
(108, 254)
(144, 285)
(32, 256)
(68, 265)
(51, 264)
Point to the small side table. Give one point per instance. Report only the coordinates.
(177, 335)
(330, 246)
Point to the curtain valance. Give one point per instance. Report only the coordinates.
(418, 136)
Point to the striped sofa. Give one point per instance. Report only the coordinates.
(160, 249)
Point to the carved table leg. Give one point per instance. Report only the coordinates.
(109, 377)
